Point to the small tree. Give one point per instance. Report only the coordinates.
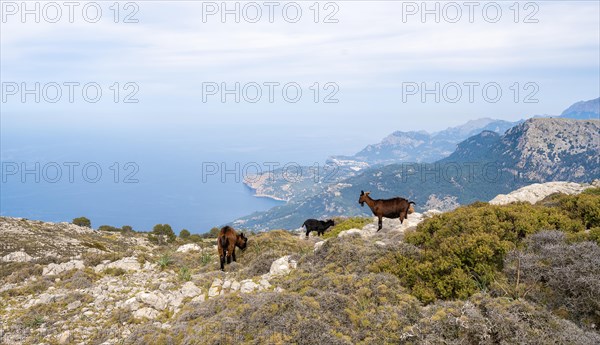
(82, 221)
(162, 234)
(108, 228)
(185, 234)
(213, 233)
(195, 238)
(127, 228)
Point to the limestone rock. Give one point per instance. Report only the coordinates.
(64, 337)
(215, 288)
(189, 247)
(349, 232)
(155, 300)
(18, 256)
(54, 269)
(282, 266)
(538, 191)
(147, 313)
(248, 286)
(127, 264)
(189, 289)
(318, 245)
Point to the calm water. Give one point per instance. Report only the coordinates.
(169, 188)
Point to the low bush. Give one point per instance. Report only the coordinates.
(461, 252)
(563, 276)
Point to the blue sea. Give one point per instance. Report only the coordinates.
(142, 177)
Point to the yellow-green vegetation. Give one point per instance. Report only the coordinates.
(458, 253)
(268, 246)
(334, 298)
(185, 274)
(114, 271)
(164, 261)
(342, 224)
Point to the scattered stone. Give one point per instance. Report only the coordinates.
(189, 289)
(248, 286)
(19, 256)
(55, 269)
(318, 245)
(265, 284)
(189, 247)
(349, 232)
(147, 313)
(73, 305)
(65, 337)
(199, 298)
(215, 288)
(282, 266)
(132, 304)
(155, 300)
(128, 264)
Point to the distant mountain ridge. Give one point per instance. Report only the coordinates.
(422, 146)
(583, 110)
(397, 147)
(483, 166)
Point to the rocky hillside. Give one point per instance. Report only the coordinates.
(398, 147)
(64, 284)
(552, 149)
(584, 110)
(487, 164)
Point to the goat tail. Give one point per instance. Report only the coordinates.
(304, 224)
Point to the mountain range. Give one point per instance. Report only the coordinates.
(488, 163)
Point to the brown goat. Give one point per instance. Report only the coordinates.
(227, 241)
(388, 208)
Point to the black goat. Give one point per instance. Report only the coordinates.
(317, 225)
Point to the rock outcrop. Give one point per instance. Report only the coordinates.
(538, 191)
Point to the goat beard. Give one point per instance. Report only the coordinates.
(362, 204)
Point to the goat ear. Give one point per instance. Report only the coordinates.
(367, 193)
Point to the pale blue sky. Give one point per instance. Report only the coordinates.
(369, 53)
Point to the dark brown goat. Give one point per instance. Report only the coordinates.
(227, 241)
(388, 208)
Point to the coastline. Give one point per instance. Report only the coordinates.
(256, 194)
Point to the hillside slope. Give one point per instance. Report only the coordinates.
(356, 285)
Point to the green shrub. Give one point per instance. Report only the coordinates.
(127, 228)
(162, 234)
(82, 221)
(112, 271)
(213, 233)
(164, 261)
(108, 228)
(184, 234)
(195, 238)
(461, 252)
(185, 274)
